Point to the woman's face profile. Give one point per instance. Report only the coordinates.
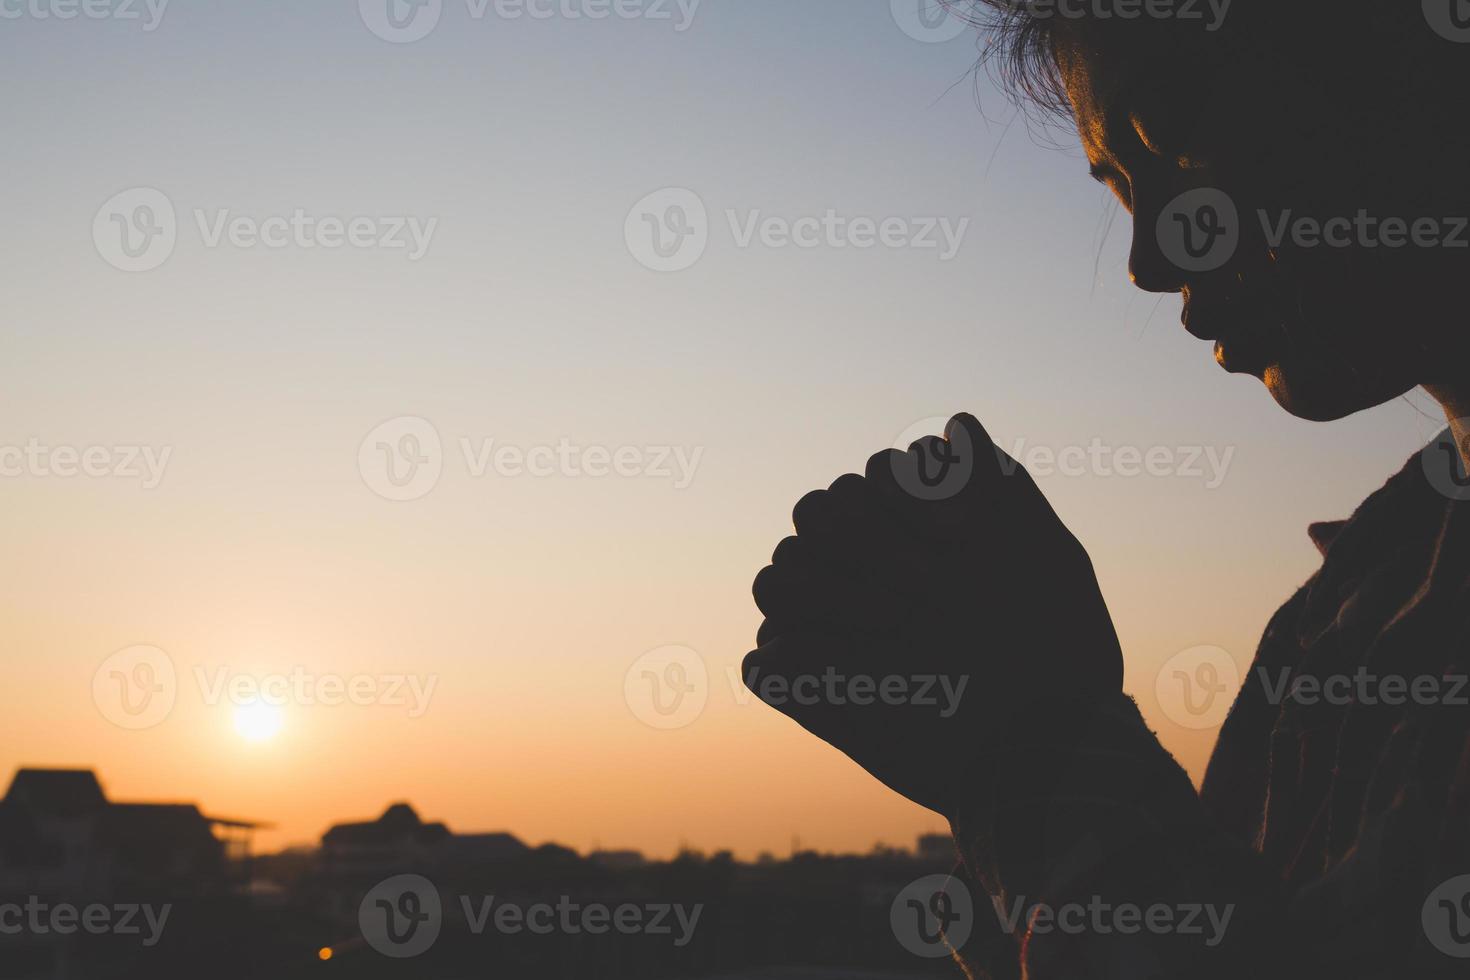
(1304, 242)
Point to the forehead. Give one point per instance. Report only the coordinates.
(1102, 91)
(1115, 81)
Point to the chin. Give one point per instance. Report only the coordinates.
(1320, 396)
(1317, 383)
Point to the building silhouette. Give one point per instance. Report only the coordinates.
(62, 838)
(400, 839)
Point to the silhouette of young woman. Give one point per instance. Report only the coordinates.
(1300, 173)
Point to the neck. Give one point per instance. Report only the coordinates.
(1455, 400)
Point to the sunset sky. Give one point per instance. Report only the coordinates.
(252, 375)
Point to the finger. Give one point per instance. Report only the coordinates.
(797, 589)
(815, 516)
(948, 485)
(892, 473)
(993, 468)
(961, 462)
(856, 539)
(859, 531)
(1006, 483)
(800, 587)
(786, 674)
(770, 629)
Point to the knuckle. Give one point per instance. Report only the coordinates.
(790, 549)
(769, 630)
(766, 589)
(881, 464)
(809, 509)
(756, 663)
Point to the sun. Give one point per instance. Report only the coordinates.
(257, 722)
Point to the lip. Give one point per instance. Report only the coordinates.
(1205, 322)
(1194, 324)
(1238, 350)
(1242, 353)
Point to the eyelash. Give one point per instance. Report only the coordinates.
(1119, 185)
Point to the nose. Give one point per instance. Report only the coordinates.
(1148, 267)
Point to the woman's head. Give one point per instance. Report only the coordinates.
(1300, 176)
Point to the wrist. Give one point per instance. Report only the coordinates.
(1077, 786)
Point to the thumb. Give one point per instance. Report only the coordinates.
(992, 464)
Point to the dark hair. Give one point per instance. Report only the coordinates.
(1017, 45)
(1019, 41)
